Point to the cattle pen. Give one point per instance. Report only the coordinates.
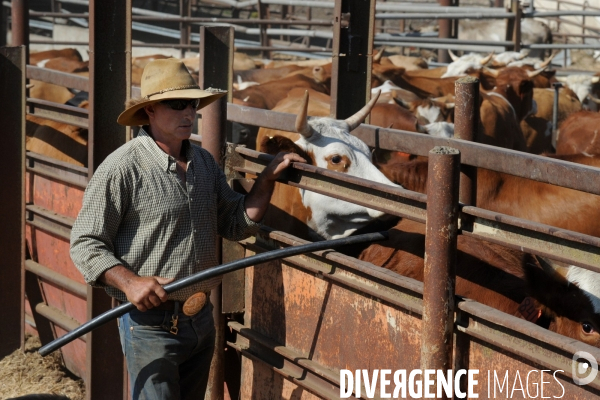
(292, 327)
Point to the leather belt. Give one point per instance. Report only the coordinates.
(191, 306)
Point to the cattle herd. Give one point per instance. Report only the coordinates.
(516, 112)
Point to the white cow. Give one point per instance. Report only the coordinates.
(328, 144)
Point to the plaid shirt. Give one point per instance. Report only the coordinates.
(138, 213)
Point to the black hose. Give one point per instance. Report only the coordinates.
(211, 273)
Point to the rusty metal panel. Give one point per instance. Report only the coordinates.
(321, 318)
(352, 56)
(53, 207)
(59, 171)
(12, 212)
(500, 342)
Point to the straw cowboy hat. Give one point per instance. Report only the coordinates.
(162, 80)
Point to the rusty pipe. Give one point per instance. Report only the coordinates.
(440, 259)
(466, 123)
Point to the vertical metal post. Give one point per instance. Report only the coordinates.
(216, 71)
(3, 25)
(354, 22)
(185, 10)
(263, 13)
(12, 212)
(20, 25)
(516, 33)
(440, 259)
(556, 86)
(585, 5)
(110, 87)
(466, 123)
(444, 32)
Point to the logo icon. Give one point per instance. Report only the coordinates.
(584, 371)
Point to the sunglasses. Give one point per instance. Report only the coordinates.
(181, 104)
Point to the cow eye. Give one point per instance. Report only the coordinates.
(336, 159)
(587, 327)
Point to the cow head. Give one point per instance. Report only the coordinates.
(468, 62)
(569, 297)
(327, 143)
(516, 85)
(583, 86)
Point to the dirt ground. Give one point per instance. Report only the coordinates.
(25, 372)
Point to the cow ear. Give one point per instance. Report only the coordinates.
(277, 144)
(555, 269)
(547, 282)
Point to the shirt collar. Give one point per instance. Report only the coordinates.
(162, 158)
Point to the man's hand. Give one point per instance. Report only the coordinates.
(257, 200)
(144, 292)
(278, 164)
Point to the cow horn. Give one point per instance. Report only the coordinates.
(561, 79)
(453, 56)
(593, 98)
(486, 59)
(553, 268)
(595, 79)
(531, 74)
(302, 126)
(377, 57)
(493, 72)
(547, 61)
(355, 120)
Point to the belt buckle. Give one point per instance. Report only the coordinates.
(194, 304)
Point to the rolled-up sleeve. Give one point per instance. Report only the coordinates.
(95, 229)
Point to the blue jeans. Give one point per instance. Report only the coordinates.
(164, 366)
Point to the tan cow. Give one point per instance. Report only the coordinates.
(537, 128)
(579, 134)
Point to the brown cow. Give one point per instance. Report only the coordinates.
(67, 65)
(36, 58)
(265, 75)
(57, 140)
(505, 279)
(523, 198)
(414, 81)
(383, 115)
(503, 108)
(578, 134)
(537, 128)
(268, 94)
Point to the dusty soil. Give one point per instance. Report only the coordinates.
(25, 372)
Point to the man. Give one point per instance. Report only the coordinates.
(151, 214)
